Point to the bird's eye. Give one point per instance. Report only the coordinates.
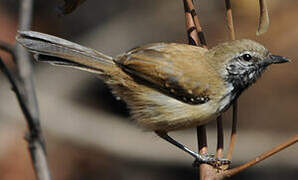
(246, 57)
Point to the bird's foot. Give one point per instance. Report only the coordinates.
(212, 160)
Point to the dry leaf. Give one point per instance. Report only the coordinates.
(70, 5)
(264, 18)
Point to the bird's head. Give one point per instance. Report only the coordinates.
(241, 62)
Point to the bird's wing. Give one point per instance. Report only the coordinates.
(178, 70)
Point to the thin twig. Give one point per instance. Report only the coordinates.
(22, 84)
(191, 30)
(231, 29)
(35, 137)
(25, 68)
(260, 158)
(195, 18)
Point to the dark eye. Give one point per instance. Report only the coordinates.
(246, 57)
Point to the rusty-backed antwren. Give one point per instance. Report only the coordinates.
(167, 86)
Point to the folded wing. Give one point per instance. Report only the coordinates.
(178, 70)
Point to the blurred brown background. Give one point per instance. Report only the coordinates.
(88, 132)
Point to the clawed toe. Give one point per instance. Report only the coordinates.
(212, 160)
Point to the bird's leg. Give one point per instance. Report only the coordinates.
(200, 158)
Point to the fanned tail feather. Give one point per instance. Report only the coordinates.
(61, 52)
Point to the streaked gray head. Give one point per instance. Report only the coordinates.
(241, 62)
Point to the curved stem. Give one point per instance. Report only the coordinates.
(260, 158)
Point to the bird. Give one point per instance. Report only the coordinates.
(167, 86)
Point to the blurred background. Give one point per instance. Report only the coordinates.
(89, 134)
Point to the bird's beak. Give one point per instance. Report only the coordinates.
(274, 59)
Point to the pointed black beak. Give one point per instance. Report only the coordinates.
(274, 59)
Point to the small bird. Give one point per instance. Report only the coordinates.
(167, 86)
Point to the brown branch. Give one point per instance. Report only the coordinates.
(192, 33)
(192, 11)
(22, 84)
(231, 29)
(260, 158)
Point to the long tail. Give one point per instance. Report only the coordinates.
(61, 52)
